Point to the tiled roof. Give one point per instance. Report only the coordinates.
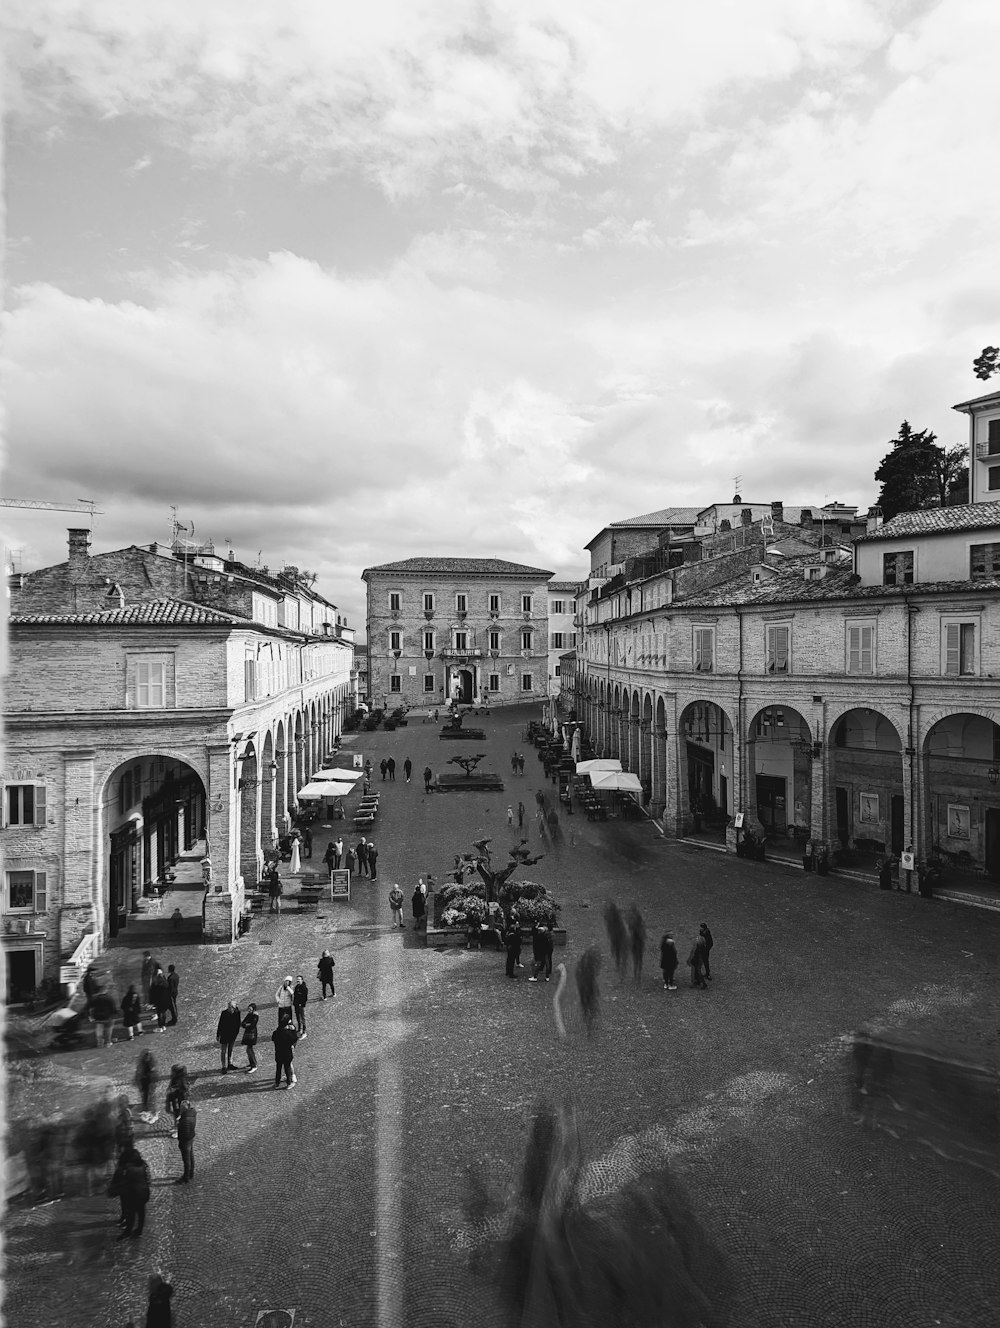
(936, 521)
(460, 567)
(788, 586)
(564, 587)
(153, 613)
(666, 516)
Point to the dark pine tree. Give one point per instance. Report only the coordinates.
(914, 473)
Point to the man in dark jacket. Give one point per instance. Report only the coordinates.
(391, 767)
(706, 936)
(372, 860)
(540, 952)
(103, 1012)
(668, 961)
(428, 776)
(173, 987)
(362, 855)
(186, 1127)
(133, 1178)
(159, 994)
(226, 1034)
(284, 1038)
(696, 963)
(324, 971)
(512, 942)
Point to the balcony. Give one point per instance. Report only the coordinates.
(470, 652)
(988, 450)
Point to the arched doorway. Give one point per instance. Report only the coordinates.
(866, 775)
(780, 769)
(248, 790)
(705, 752)
(154, 812)
(461, 687)
(645, 771)
(961, 781)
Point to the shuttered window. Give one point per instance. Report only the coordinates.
(959, 649)
(703, 650)
(861, 648)
(24, 804)
(26, 892)
(778, 649)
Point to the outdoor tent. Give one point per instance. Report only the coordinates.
(588, 767)
(342, 776)
(324, 789)
(619, 781)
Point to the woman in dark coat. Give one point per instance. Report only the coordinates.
(349, 860)
(134, 1179)
(330, 856)
(249, 1026)
(512, 940)
(419, 908)
(132, 1012)
(226, 1034)
(159, 994)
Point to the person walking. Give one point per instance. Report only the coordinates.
(512, 944)
(396, 904)
(284, 1038)
(372, 860)
(249, 1040)
(273, 879)
(350, 862)
(362, 856)
(538, 951)
(513, 763)
(637, 940)
(706, 936)
(307, 842)
(324, 971)
(330, 858)
(428, 776)
(173, 987)
(338, 848)
(617, 935)
(419, 906)
(520, 815)
(134, 1180)
(149, 967)
(668, 961)
(159, 994)
(187, 1124)
(300, 998)
(696, 963)
(145, 1081)
(90, 986)
(103, 1013)
(407, 769)
(132, 1012)
(391, 767)
(177, 1090)
(368, 769)
(284, 998)
(383, 765)
(226, 1033)
(510, 817)
(520, 763)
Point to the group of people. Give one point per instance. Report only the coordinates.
(362, 860)
(698, 960)
(517, 763)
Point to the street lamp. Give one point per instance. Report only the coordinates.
(993, 775)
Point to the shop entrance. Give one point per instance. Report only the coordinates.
(22, 976)
(772, 810)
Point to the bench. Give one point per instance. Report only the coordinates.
(309, 897)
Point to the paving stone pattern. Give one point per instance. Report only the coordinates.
(345, 1197)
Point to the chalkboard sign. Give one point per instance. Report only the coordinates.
(340, 883)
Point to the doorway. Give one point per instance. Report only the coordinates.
(464, 691)
(22, 975)
(896, 823)
(992, 862)
(843, 817)
(772, 808)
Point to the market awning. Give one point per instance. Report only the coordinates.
(588, 767)
(325, 789)
(342, 776)
(619, 781)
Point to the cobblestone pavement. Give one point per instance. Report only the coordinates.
(344, 1198)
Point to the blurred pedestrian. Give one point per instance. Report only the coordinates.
(396, 904)
(284, 998)
(520, 763)
(617, 935)
(510, 817)
(90, 986)
(350, 862)
(512, 944)
(419, 906)
(428, 776)
(95, 1142)
(668, 961)
(272, 879)
(149, 967)
(177, 1090)
(696, 963)
(407, 769)
(307, 842)
(372, 860)
(284, 1038)
(513, 763)
(588, 966)
(226, 1033)
(159, 994)
(706, 936)
(134, 1179)
(520, 816)
(330, 857)
(391, 767)
(145, 1080)
(324, 971)
(637, 940)
(173, 987)
(158, 1310)
(537, 951)
(249, 1039)
(383, 765)
(300, 998)
(187, 1122)
(104, 1013)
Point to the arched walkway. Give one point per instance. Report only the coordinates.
(779, 765)
(961, 783)
(867, 808)
(705, 754)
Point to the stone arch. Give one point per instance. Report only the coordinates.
(251, 858)
(867, 794)
(959, 775)
(706, 756)
(779, 770)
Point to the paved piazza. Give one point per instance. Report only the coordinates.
(344, 1199)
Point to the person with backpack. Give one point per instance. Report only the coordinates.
(396, 904)
(324, 971)
(284, 1038)
(300, 998)
(187, 1121)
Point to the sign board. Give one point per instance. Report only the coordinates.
(906, 861)
(738, 820)
(358, 760)
(340, 883)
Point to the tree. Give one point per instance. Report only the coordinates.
(986, 365)
(917, 473)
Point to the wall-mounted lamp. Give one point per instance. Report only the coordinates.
(993, 775)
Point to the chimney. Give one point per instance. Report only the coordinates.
(79, 545)
(777, 511)
(806, 518)
(874, 518)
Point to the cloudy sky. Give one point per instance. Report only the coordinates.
(347, 283)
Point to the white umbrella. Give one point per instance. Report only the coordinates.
(621, 781)
(575, 745)
(606, 763)
(344, 776)
(311, 791)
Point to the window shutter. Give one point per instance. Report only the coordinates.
(130, 688)
(867, 649)
(41, 892)
(39, 804)
(854, 649)
(952, 648)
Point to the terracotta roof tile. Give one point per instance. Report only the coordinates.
(460, 566)
(155, 613)
(937, 520)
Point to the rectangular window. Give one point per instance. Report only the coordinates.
(250, 679)
(395, 600)
(428, 602)
(525, 603)
(993, 477)
(527, 683)
(558, 638)
(959, 649)
(462, 603)
(861, 648)
(461, 640)
(993, 438)
(525, 640)
(395, 682)
(778, 643)
(494, 604)
(395, 640)
(428, 640)
(150, 684)
(428, 682)
(703, 649)
(897, 568)
(24, 804)
(494, 682)
(25, 892)
(557, 671)
(558, 606)
(494, 640)
(984, 562)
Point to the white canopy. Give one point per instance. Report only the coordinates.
(342, 776)
(588, 767)
(622, 781)
(325, 789)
